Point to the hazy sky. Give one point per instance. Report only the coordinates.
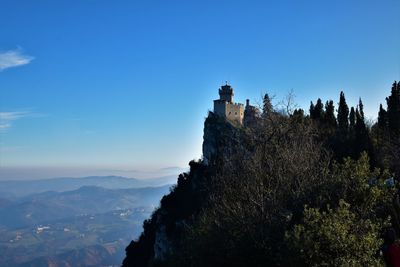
(89, 86)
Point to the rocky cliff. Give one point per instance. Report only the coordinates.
(160, 239)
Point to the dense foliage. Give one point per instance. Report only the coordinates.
(289, 190)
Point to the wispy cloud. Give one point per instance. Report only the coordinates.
(13, 58)
(7, 118)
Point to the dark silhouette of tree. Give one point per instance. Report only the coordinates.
(317, 113)
(343, 114)
(385, 135)
(298, 115)
(330, 118)
(361, 108)
(267, 105)
(361, 141)
(348, 140)
(393, 108)
(340, 145)
(382, 118)
(352, 118)
(312, 107)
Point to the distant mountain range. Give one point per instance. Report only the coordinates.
(52, 206)
(18, 188)
(86, 226)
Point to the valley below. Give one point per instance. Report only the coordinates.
(88, 226)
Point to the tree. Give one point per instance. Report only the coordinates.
(361, 141)
(267, 105)
(360, 123)
(386, 133)
(312, 107)
(317, 111)
(340, 145)
(330, 118)
(352, 118)
(393, 108)
(382, 118)
(335, 237)
(298, 115)
(344, 231)
(343, 114)
(361, 108)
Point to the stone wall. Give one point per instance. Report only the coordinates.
(230, 111)
(235, 112)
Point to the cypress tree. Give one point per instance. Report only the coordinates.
(267, 106)
(382, 118)
(361, 132)
(341, 145)
(317, 111)
(361, 109)
(312, 108)
(393, 108)
(352, 118)
(330, 118)
(360, 124)
(343, 114)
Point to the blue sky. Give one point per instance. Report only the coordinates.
(107, 87)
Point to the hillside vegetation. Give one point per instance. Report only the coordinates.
(287, 189)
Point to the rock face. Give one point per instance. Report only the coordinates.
(162, 245)
(220, 138)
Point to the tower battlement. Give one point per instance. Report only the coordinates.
(226, 93)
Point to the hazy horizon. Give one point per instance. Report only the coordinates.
(37, 173)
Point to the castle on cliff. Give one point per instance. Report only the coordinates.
(233, 112)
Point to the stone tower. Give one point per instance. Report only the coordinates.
(225, 107)
(226, 93)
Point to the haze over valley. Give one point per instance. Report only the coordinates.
(74, 221)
